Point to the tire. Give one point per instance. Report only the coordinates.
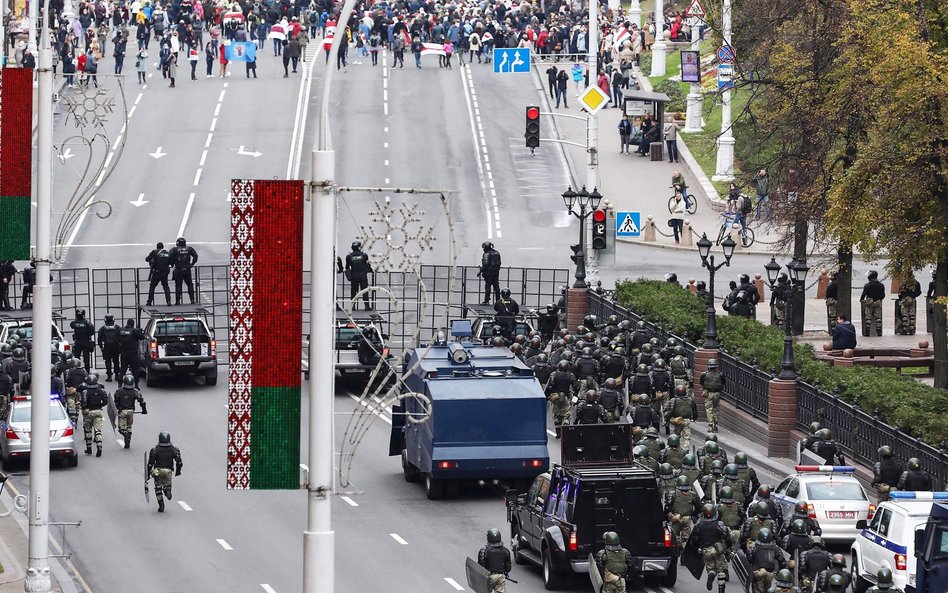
(747, 237)
(858, 583)
(434, 489)
(515, 544)
(150, 379)
(410, 472)
(671, 577)
(671, 203)
(552, 580)
(692, 205)
(73, 461)
(451, 488)
(210, 380)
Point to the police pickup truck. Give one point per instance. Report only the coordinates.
(482, 326)
(179, 341)
(561, 519)
(350, 334)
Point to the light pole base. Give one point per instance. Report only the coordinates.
(635, 13)
(577, 307)
(658, 58)
(724, 169)
(37, 580)
(693, 120)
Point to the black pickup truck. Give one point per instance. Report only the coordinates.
(179, 341)
(561, 519)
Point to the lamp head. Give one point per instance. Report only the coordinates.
(704, 247)
(773, 268)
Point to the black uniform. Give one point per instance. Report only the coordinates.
(547, 323)
(873, 290)
(589, 413)
(29, 279)
(495, 558)
(887, 471)
(830, 452)
(357, 272)
(915, 480)
(7, 271)
(109, 345)
(129, 338)
(83, 334)
(542, 371)
(490, 272)
(160, 262)
(506, 310)
(183, 258)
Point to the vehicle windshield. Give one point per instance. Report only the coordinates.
(830, 490)
(177, 328)
(23, 413)
(29, 331)
(349, 335)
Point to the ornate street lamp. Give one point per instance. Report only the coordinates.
(707, 261)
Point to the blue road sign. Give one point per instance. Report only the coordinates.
(628, 224)
(725, 76)
(726, 53)
(512, 60)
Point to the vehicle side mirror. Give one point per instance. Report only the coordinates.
(920, 542)
(861, 524)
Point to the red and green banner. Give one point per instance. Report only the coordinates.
(16, 161)
(266, 335)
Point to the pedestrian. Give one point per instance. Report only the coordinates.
(118, 52)
(448, 52)
(251, 66)
(193, 58)
(578, 75)
(617, 87)
(551, 73)
(357, 272)
(625, 134)
(763, 193)
(474, 43)
(495, 558)
(295, 50)
(172, 67)
(602, 81)
(398, 51)
(108, 339)
(129, 339)
(416, 48)
(844, 335)
(141, 64)
(92, 399)
(285, 54)
(375, 44)
(162, 459)
(341, 55)
(676, 222)
(671, 140)
(183, 258)
(125, 398)
(92, 67)
(83, 334)
(615, 564)
(562, 80)
(490, 271)
(222, 58)
(209, 59)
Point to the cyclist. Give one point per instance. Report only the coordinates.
(678, 183)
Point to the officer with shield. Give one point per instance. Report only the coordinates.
(614, 564)
(495, 558)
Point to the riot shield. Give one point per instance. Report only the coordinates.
(145, 466)
(743, 571)
(594, 577)
(476, 576)
(691, 558)
(112, 411)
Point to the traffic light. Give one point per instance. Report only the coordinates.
(577, 252)
(599, 229)
(533, 127)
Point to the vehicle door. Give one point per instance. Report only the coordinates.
(535, 505)
(638, 516)
(877, 534)
(786, 494)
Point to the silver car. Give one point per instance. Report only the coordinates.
(15, 433)
(834, 495)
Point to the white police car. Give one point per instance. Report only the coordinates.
(888, 540)
(835, 498)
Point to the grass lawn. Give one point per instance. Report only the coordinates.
(703, 145)
(673, 63)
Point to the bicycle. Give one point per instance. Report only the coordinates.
(746, 233)
(691, 203)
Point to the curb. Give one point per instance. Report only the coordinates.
(779, 467)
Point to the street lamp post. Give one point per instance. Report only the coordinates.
(707, 261)
(587, 203)
(798, 270)
(724, 166)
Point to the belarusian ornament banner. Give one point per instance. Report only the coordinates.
(16, 162)
(266, 327)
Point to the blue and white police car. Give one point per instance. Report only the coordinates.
(888, 539)
(835, 498)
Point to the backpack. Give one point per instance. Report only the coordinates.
(746, 206)
(374, 41)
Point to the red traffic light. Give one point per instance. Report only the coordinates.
(599, 215)
(533, 112)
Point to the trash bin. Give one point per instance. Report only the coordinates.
(656, 151)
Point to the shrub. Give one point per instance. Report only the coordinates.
(677, 100)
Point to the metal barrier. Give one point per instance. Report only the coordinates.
(745, 386)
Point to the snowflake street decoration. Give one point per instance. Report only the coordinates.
(397, 237)
(90, 106)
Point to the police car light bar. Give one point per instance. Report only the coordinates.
(836, 469)
(25, 398)
(900, 495)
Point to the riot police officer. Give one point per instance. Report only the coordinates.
(641, 454)
(813, 562)
(588, 410)
(125, 398)
(74, 377)
(661, 386)
(639, 336)
(357, 273)
(614, 366)
(615, 563)
(732, 480)
(667, 479)
(587, 369)
(713, 541)
(796, 541)
(884, 582)
(731, 513)
(495, 558)
(680, 412)
(559, 390)
(673, 453)
(108, 339)
(765, 560)
(832, 296)
(183, 258)
(641, 383)
(836, 583)
(701, 291)
(29, 281)
(774, 510)
(532, 349)
(548, 320)
(652, 443)
(913, 478)
(712, 382)
(129, 338)
(710, 483)
(779, 297)
(506, 310)
(709, 453)
(542, 369)
(837, 568)
(873, 293)
(490, 271)
(93, 399)
(162, 459)
(909, 291)
(689, 467)
(159, 263)
(886, 472)
(370, 347)
(681, 508)
(827, 448)
(753, 525)
(801, 512)
(83, 334)
(643, 416)
(612, 401)
(810, 440)
(783, 582)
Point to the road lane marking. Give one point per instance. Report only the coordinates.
(131, 111)
(299, 123)
(217, 110)
(203, 157)
(454, 584)
(398, 538)
(213, 123)
(139, 98)
(221, 98)
(386, 162)
(207, 143)
(267, 588)
(185, 506)
(349, 501)
(224, 544)
(197, 175)
(187, 214)
(480, 150)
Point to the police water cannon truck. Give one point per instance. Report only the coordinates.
(469, 413)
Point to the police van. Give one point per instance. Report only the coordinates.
(888, 539)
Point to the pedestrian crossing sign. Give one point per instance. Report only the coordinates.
(628, 224)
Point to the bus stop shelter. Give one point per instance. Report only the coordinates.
(639, 104)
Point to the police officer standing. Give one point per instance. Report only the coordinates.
(779, 297)
(908, 292)
(357, 273)
(490, 271)
(83, 334)
(93, 399)
(162, 459)
(712, 381)
(125, 398)
(506, 310)
(495, 558)
(159, 260)
(765, 560)
(7, 272)
(832, 294)
(548, 321)
(29, 280)
(873, 293)
(712, 539)
(129, 338)
(614, 564)
(886, 472)
(913, 479)
(183, 258)
(108, 339)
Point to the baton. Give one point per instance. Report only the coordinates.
(510, 579)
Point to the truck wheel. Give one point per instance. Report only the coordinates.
(410, 471)
(73, 461)
(552, 580)
(211, 379)
(150, 380)
(451, 488)
(671, 577)
(434, 489)
(859, 584)
(515, 544)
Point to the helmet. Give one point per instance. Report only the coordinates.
(744, 279)
(838, 560)
(672, 278)
(641, 369)
(763, 491)
(817, 542)
(666, 471)
(487, 245)
(717, 467)
(681, 391)
(76, 363)
(801, 507)
(109, 319)
(784, 578)
(640, 325)
(520, 339)
(674, 440)
(611, 539)
(604, 342)
(782, 278)
(701, 285)
(516, 348)
(740, 458)
(563, 366)
(659, 364)
(641, 451)
(764, 536)
(651, 433)
(625, 325)
(587, 352)
(837, 582)
(542, 358)
(356, 245)
(91, 379)
(493, 535)
(505, 293)
(643, 399)
(730, 470)
(711, 448)
(497, 342)
(79, 313)
(22, 334)
(798, 526)
(610, 383)
(873, 275)
(590, 337)
(884, 578)
(591, 395)
(913, 463)
(128, 381)
(671, 343)
(653, 341)
(689, 460)
(567, 356)
(164, 437)
(682, 483)
(613, 320)
(708, 511)
(620, 351)
(590, 321)
(647, 348)
(535, 343)
(814, 427)
(713, 363)
(181, 242)
(726, 494)
(5, 349)
(824, 434)
(581, 329)
(550, 307)
(711, 436)
(19, 353)
(885, 451)
(762, 510)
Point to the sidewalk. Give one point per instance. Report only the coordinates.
(14, 549)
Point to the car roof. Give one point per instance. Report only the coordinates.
(805, 477)
(912, 508)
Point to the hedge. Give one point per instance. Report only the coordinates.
(900, 401)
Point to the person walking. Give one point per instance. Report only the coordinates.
(162, 459)
(671, 141)
(416, 48)
(193, 59)
(551, 74)
(223, 59)
(625, 134)
(172, 68)
(141, 64)
(495, 558)
(125, 398)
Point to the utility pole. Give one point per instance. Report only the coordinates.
(37, 572)
(592, 125)
(635, 13)
(724, 168)
(319, 570)
(658, 48)
(34, 17)
(693, 119)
